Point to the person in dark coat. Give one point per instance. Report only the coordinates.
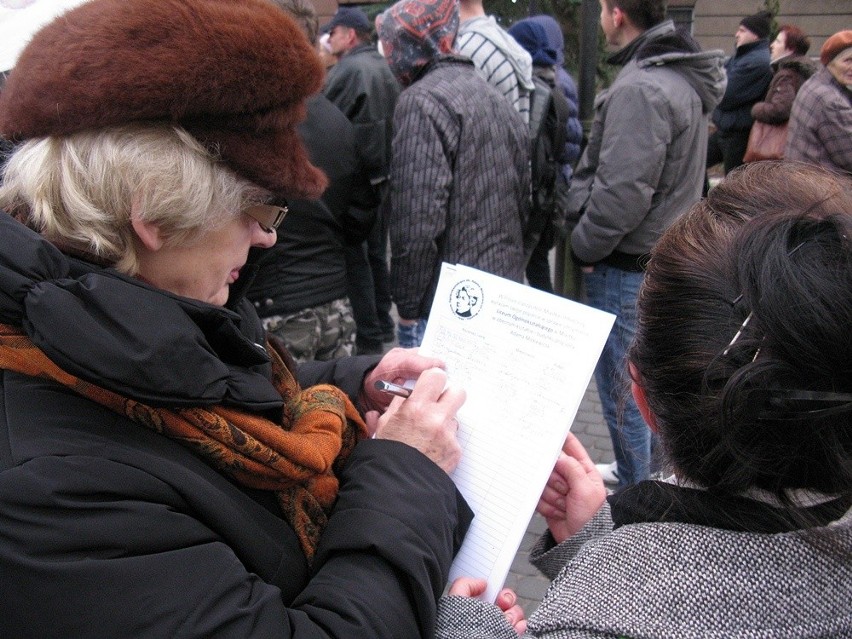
(300, 290)
(791, 68)
(361, 85)
(574, 137)
(165, 469)
(572, 277)
(748, 74)
(531, 34)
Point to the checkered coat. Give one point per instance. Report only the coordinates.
(821, 124)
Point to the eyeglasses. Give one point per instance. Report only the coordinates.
(269, 216)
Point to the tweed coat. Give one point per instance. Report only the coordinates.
(658, 580)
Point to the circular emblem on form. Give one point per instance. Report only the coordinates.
(466, 299)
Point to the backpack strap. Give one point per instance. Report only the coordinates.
(563, 113)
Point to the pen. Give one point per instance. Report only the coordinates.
(393, 389)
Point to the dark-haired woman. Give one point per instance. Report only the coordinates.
(742, 363)
(791, 68)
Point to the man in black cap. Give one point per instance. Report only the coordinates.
(749, 75)
(363, 87)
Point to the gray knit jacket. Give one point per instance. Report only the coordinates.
(678, 581)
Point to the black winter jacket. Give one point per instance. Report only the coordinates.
(108, 529)
(307, 265)
(362, 86)
(749, 75)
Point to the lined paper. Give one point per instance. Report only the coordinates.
(525, 358)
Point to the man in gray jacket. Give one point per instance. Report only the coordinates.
(642, 168)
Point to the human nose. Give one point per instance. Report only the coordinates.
(263, 237)
(266, 218)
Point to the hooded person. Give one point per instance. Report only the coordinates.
(550, 124)
(546, 46)
(533, 38)
(574, 138)
(459, 146)
(496, 54)
(159, 449)
(573, 147)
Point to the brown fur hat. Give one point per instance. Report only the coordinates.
(234, 73)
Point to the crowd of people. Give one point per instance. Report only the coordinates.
(196, 296)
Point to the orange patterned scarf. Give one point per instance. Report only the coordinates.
(297, 458)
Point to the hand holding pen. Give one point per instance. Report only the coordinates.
(397, 366)
(425, 420)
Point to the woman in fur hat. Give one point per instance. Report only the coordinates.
(165, 471)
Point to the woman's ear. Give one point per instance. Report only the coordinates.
(147, 232)
(617, 17)
(641, 399)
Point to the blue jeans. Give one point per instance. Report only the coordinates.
(615, 291)
(411, 336)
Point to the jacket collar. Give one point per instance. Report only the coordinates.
(628, 51)
(657, 501)
(751, 46)
(124, 335)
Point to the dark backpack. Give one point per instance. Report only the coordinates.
(549, 113)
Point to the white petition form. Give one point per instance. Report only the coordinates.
(525, 358)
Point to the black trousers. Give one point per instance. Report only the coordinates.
(368, 288)
(377, 256)
(727, 147)
(538, 268)
(361, 292)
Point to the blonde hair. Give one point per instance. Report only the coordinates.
(78, 190)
